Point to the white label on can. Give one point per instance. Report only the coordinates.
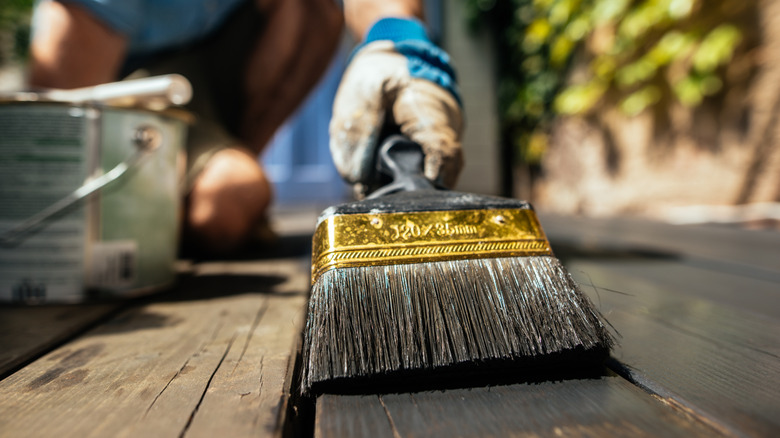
(114, 264)
(47, 266)
(42, 159)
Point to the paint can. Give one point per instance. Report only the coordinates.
(90, 197)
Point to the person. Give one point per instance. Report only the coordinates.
(251, 64)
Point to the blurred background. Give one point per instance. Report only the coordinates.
(657, 108)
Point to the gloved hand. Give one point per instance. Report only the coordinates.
(397, 70)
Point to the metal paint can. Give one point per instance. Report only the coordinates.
(90, 200)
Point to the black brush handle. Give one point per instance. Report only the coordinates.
(403, 161)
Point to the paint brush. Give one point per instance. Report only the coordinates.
(415, 284)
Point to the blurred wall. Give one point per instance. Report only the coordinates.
(724, 152)
(472, 55)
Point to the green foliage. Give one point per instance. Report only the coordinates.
(630, 53)
(12, 12)
(14, 28)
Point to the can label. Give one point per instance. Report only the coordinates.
(120, 240)
(114, 265)
(42, 158)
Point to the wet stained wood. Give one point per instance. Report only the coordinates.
(754, 250)
(720, 362)
(694, 278)
(698, 309)
(28, 332)
(209, 358)
(598, 407)
(707, 262)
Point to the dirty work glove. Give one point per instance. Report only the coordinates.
(397, 70)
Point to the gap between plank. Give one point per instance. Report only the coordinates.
(389, 418)
(668, 399)
(258, 316)
(186, 362)
(178, 373)
(206, 388)
(692, 415)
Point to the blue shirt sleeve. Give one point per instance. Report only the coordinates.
(123, 16)
(152, 25)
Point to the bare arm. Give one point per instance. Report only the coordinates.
(361, 14)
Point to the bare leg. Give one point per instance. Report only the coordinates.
(73, 49)
(231, 195)
(290, 55)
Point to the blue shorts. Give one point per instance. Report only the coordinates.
(155, 25)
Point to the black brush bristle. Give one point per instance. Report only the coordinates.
(407, 319)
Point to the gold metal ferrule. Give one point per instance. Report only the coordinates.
(352, 240)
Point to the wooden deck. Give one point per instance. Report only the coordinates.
(697, 309)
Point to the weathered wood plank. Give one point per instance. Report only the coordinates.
(250, 389)
(599, 407)
(209, 358)
(717, 361)
(28, 332)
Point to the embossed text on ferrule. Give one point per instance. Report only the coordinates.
(410, 230)
(414, 237)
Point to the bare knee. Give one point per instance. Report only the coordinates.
(228, 199)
